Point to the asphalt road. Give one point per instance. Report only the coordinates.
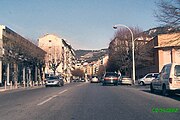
(86, 101)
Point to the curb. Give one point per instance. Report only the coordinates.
(20, 88)
(26, 88)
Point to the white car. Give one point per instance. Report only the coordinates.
(147, 79)
(94, 79)
(168, 81)
(126, 80)
(54, 81)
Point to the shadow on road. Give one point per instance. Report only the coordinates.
(175, 97)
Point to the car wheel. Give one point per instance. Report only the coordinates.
(103, 84)
(151, 88)
(141, 83)
(59, 85)
(164, 91)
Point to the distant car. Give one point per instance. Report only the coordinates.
(94, 79)
(110, 78)
(82, 80)
(146, 80)
(75, 80)
(54, 81)
(125, 80)
(168, 81)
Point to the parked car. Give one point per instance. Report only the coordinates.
(82, 80)
(54, 81)
(75, 80)
(110, 78)
(95, 79)
(147, 79)
(168, 81)
(125, 80)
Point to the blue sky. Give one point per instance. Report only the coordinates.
(85, 24)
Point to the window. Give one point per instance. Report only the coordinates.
(155, 75)
(177, 70)
(149, 76)
(165, 72)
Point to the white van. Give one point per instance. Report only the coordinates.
(168, 80)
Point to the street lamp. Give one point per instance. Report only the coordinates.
(132, 39)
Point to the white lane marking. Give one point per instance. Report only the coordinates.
(54, 96)
(62, 91)
(45, 101)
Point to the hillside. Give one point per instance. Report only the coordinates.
(90, 55)
(160, 30)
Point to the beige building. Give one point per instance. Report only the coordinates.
(93, 67)
(166, 49)
(59, 53)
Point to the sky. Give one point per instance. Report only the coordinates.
(85, 24)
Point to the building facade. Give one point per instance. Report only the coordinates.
(165, 48)
(21, 61)
(92, 68)
(59, 54)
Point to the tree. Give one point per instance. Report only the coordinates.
(78, 73)
(101, 70)
(120, 51)
(168, 12)
(53, 65)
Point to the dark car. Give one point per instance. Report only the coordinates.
(54, 81)
(111, 78)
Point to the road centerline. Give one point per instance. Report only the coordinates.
(62, 91)
(45, 101)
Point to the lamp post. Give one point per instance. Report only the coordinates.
(132, 39)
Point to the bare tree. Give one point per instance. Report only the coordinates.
(53, 65)
(120, 51)
(168, 12)
(101, 71)
(78, 73)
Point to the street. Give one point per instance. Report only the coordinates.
(87, 101)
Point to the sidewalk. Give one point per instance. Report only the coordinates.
(19, 87)
(9, 88)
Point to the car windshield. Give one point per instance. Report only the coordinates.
(111, 74)
(94, 76)
(52, 78)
